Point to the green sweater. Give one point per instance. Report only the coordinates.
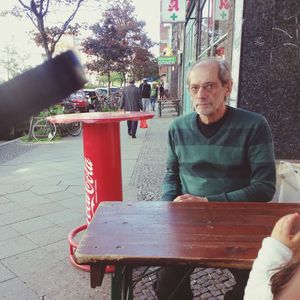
(236, 164)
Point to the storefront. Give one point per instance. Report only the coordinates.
(208, 33)
(260, 41)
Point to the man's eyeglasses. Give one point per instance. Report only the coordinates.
(207, 87)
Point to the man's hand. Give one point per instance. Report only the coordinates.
(287, 231)
(189, 198)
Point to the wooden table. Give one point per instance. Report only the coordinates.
(214, 234)
(168, 103)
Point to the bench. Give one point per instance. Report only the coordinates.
(168, 103)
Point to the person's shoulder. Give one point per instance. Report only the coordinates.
(246, 115)
(184, 120)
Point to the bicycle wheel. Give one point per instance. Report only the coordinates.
(62, 130)
(42, 130)
(74, 128)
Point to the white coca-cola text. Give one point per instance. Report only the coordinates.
(90, 195)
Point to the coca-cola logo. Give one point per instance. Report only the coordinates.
(90, 189)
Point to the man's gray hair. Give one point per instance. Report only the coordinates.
(224, 73)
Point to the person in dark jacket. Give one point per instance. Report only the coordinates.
(153, 96)
(161, 91)
(131, 101)
(145, 88)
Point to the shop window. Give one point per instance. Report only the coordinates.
(214, 27)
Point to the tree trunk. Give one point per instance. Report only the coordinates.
(108, 78)
(41, 29)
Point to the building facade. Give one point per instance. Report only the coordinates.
(261, 41)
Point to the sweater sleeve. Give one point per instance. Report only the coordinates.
(272, 256)
(261, 159)
(171, 185)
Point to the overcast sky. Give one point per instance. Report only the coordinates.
(13, 31)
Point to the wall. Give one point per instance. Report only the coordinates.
(269, 81)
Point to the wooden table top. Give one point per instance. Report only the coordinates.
(214, 234)
(100, 117)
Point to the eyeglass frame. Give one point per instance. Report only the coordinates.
(208, 87)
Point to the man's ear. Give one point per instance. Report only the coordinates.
(228, 86)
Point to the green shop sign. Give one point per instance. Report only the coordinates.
(167, 60)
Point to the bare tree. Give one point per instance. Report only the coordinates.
(37, 11)
(12, 61)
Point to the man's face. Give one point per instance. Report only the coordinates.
(207, 92)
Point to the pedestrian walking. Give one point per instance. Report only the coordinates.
(166, 90)
(161, 91)
(145, 89)
(131, 100)
(153, 95)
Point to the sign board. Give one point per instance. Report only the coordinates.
(166, 60)
(222, 10)
(173, 11)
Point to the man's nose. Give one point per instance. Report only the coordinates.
(201, 92)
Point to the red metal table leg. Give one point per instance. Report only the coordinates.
(102, 170)
(102, 174)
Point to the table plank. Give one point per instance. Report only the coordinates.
(163, 233)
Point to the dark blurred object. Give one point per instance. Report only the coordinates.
(15, 130)
(38, 88)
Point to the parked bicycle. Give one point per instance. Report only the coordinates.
(113, 101)
(107, 103)
(44, 130)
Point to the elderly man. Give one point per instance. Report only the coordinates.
(216, 153)
(131, 101)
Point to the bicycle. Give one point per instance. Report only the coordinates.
(112, 102)
(44, 130)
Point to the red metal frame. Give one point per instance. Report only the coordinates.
(73, 247)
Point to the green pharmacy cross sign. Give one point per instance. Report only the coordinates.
(166, 60)
(173, 16)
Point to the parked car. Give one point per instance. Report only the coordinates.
(103, 91)
(91, 96)
(80, 101)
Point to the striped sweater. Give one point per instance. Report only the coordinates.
(235, 164)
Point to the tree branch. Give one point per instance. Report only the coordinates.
(46, 9)
(65, 25)
(24, 5)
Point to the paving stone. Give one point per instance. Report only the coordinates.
(5, 273)
(15, 246)
(11, 150)
(12, 289)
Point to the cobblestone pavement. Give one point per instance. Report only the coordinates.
(11, 150)
(207, 283)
